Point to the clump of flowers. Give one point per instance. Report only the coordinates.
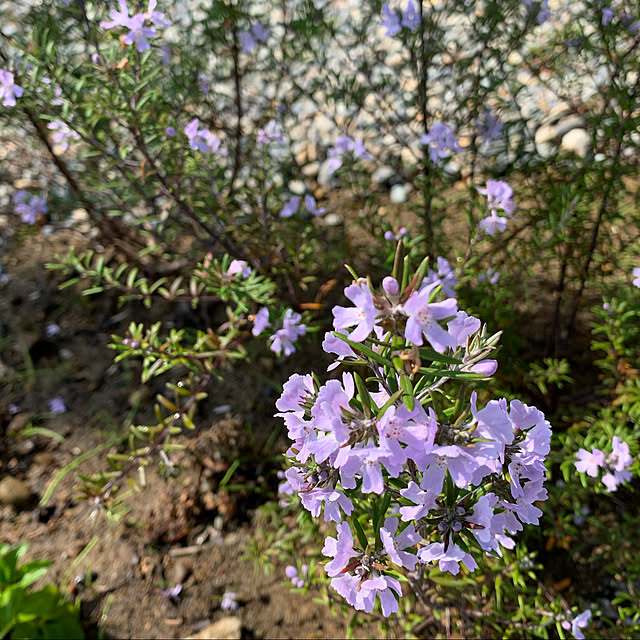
(575, 625)
(343, 146)
(62, 134)
(441, 142)
(498, 197)
(283, 339)
(393, 21)
(249, 39)
(445, 275)
(137, 24)
(615, 464)
(298, 578)
(229, 601)
(29, 207)
(420, 475)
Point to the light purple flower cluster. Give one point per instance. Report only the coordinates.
(238, 268)
(477, 479)
(229, 601)
(282, 340)
(615, 464)
(62, 134)
(57, 405)
(272, 132)
(9, 91)
(498, 197)
(489, 126)
(249, 39)
(542, 10)
(394, 21)
(292, 206)
(441, 141)
(29, 208)
(138, 31)
(636, 276)
(445, 276)
(342, 146)
(489, 276)
(202, 139)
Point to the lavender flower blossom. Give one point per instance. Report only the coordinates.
(390, 236)
(589, 462)
(29, 208)
(445, 276)
(391, 20)
(52, 330)
(229, 601)
(364, 315)
(577, 623)
(9, 91)
(291, 206)
(636, 274)
(260, 321)
(282, 340)
(607, 16)
(292, 573)
(62, 134)
(239, 267)
(138, 32)
(498, 197)
(272, 132)
(57, 405)
(249, 39)
(202, 139)
(311, 207)
(489, 276)
(489, 126)
(410, 16)
(441, 141)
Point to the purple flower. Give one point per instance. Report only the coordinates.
(410, 16)
(165, 54)
(589, 462)
(340, 549)
(489, 276)
(489, 126)
(577, 623)
(363, 316)
(62, 134)
(636, 275)
(260, 321)
(202, 139)
(52, 330)
(272, 132)
(389, 235)
(138, 32)
(9, 91)
(204, 84)
(423, 317)
(57, 405)
(229, 601)
(172, 592)
(448, 560)
(391, 20)
(291, 206)
(239, 267)
(170, 131)
(498, 197)
(249, 39)
(282, 340)
(445, 276)
(394, 544)
(29, 208)
(292, 573)
(310, 206)
(441, 141)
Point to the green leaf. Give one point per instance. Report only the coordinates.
(362, 538)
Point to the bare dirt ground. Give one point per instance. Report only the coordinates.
(184, 531)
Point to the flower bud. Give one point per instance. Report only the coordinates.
(391, 286)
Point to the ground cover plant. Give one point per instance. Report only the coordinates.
(397, 241)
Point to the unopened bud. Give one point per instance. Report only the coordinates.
(391, 286)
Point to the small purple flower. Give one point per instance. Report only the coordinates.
(311, 207)
(441, 141)
(340, 550)
(448, 560)
(363, 315)
(489, 276)
(489, 126)
(291, 206)
(239, 267)
(260, 321)
(29, 208)
(272, 132)
(577, 623)
(165, 54)
(170, 131)
(589, 461)
(57, 405)
(282, 340)
(229, 601)
(204, 84)
(249, 39)
(391, 20)
(498, 197)
(62, 134)
(636, 276)
(172, 592)
(424, 316)
(445, 276)
(389, 235)
(52, 330)
(410, 16)
(394, 544)
(9, 91)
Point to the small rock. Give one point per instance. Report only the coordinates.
(297, 187)
(19, 422)
(14, 491)
(578, 141)
(398, 194)
(229, 628)
(326, 177)
(311, 170)
(382, 175)
(332, 220)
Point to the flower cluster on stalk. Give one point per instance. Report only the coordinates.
(446, 487)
